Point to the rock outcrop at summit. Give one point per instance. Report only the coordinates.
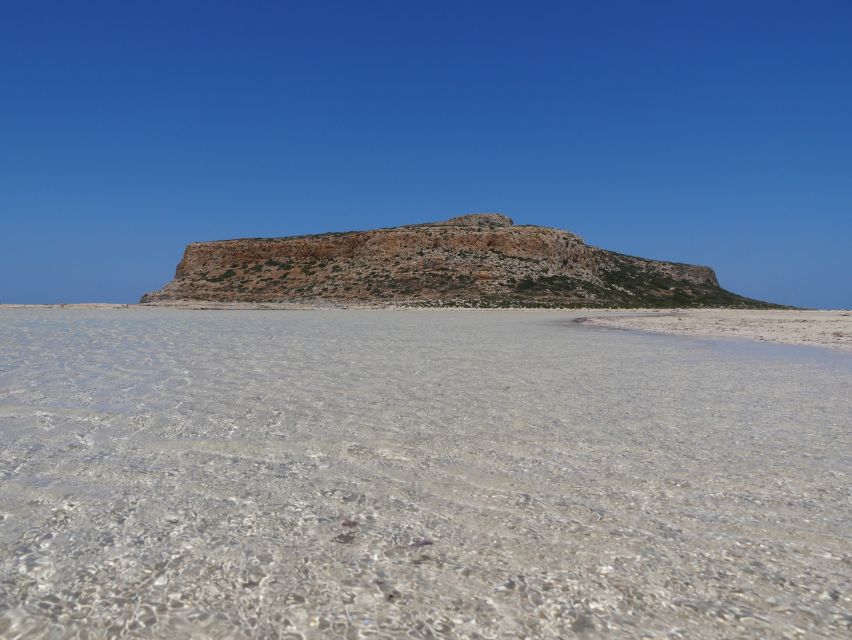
(473, 260)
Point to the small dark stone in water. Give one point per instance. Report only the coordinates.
(424, 542)
(583, 623)
(345, 538)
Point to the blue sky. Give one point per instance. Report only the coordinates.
(716, 132)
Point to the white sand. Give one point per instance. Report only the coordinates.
(814, 328)
(329, 474)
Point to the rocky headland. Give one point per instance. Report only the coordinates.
(478, 260)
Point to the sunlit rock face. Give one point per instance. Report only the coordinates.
(473, 260)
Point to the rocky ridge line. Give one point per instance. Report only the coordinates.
(479, 260)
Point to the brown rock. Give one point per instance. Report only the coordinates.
(471, 260)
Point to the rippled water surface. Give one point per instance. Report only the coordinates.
(331, 474)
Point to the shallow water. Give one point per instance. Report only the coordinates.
(330, 474)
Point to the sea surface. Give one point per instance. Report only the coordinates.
(416, 474)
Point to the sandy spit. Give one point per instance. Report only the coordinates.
(821, 328)
(814, 328)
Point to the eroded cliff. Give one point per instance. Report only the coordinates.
(473, 260)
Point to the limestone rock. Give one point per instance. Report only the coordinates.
(472, 260)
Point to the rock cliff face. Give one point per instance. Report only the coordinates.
(473, 260)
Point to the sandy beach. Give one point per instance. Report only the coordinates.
(458, 474)
(814, 328)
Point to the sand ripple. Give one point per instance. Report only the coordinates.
(328, 474)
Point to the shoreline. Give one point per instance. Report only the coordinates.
(819, 328)
(830, 329)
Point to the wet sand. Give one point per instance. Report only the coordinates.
(333, 474)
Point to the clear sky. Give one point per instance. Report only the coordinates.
(716, 132)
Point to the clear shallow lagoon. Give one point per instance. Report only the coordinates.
(177, 474)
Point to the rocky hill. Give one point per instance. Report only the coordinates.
(480, 260)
